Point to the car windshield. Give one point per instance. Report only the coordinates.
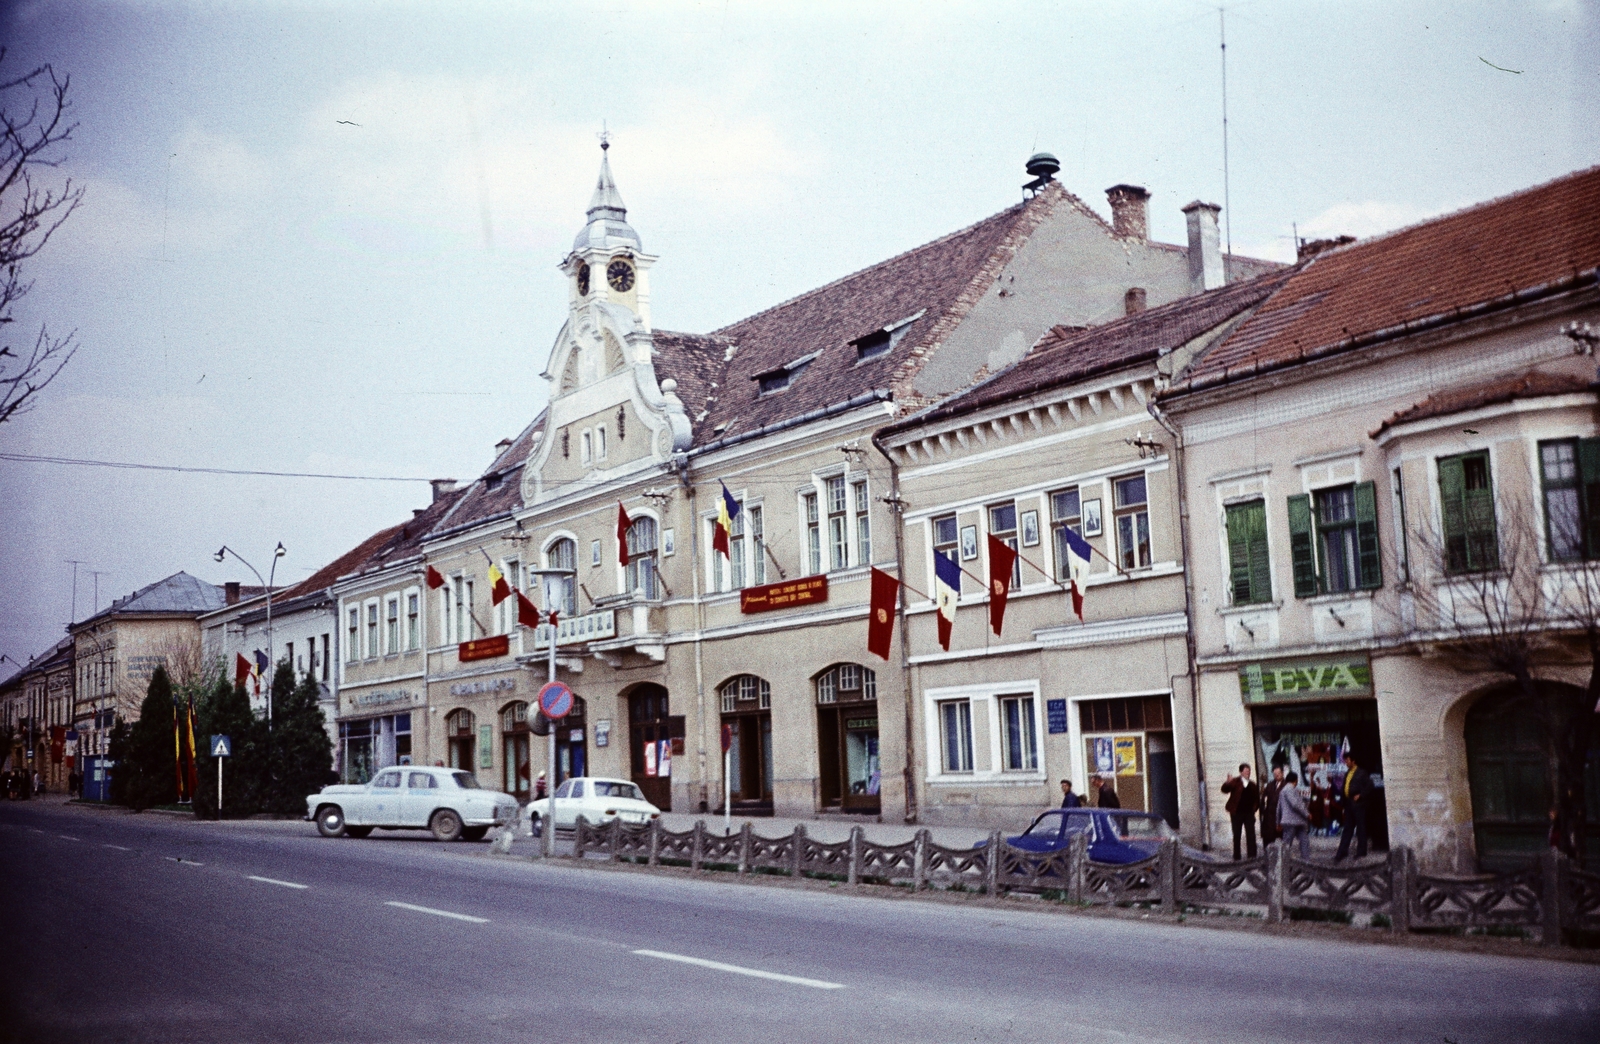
(616, 790)
(465, 780)
(1047, 825)
(1142, 828)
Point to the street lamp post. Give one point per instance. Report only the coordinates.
(550, 581)
(278, 552)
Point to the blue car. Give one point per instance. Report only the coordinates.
(1115, 836)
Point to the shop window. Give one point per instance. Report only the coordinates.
(946, 538)
(1003, 527)
(1333, 540)
(1066, 513)
(1466, 499)
(642, 579)
(849, 768)
(1569, 471)
(1249, 568)
(1132, 521)
(955, 735)
(1021, 747)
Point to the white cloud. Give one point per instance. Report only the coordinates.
(1364, 219)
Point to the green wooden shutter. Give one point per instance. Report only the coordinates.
(1483, 543)
(1302, 554)
(1371, 562)
(1239, 552)
(1260, 560)
(1453, 513)
(1589, 495)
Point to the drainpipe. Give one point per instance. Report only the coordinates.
(699, 626)
(896, 507)
(1188, 614)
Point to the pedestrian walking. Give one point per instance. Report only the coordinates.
(540, 787)
(1244, 801)
(1357, 789)
(1108, 793)
(1294, 816)
(38, 784)
(1269, 806)
(1068, 798)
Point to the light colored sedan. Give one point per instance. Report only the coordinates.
(595, 798)
(448, 802)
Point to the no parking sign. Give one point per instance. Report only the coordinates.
(555, 699)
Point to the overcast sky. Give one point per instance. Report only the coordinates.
(323, 236)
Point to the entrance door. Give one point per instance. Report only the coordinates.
(1309, 739)
(458, 728)
(847, 738)
(571, 743)
(649, 726)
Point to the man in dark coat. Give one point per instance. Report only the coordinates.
(1244, 801)
(1108, 793)
(1357, 790)
(1269, 807)
(1068, 798)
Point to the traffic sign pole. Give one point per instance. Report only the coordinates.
(727, 779)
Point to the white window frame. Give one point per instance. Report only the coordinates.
(985, 699)
(391, 624)
(370, 630)
(414, 638)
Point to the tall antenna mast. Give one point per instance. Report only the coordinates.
(1227, 202)
(74, 563)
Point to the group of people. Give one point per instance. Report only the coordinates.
(1105, 793)
(1285, 812)
(20, 785)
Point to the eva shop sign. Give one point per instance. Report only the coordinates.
(1312, 678)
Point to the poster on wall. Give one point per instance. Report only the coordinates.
(602, 732)
(650, 749)
(1127, 754)
(664, 759)
(1104, 757)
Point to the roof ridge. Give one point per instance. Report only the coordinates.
(1015, 211)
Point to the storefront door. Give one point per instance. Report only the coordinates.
(1309, 739)
(848, 761)
(571, 743)
(649, 727)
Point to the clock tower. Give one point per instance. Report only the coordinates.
(608, 263)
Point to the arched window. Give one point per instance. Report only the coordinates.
(514, 733)
(755, 693)
(847, 682)
(642, 558)
(458, 726)
(563, 554)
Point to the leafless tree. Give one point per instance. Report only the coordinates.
(1499, 608)
(33, 127)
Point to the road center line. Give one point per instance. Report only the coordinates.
(119, 848)
(64, 837)
(735, 969)
(439, 913)
(270, 880)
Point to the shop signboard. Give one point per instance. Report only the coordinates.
(484, 648)
(782, 595)
(1309, 678)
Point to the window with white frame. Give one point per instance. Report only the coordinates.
(563, 554)
(587, 444)
(747, 689)
(641, 572)
(462, 627)
(391, 625)
(863, 523)
(757, 544)
(372, 630)
(847, 682)
(414, 620)
(813, 535)
(838, 525)
(600, 443)
(352, 648)
(1066, 513)
(506, 612)
(1019, 748)
(946, 537)
(955, 735)
(1003, 527)
(1132, 510)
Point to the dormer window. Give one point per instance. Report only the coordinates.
(882, 342)
(783, 376)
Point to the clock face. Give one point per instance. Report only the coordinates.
(620, 275)
(583, 279)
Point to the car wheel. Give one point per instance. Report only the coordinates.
(357, 832)
(445, 824)
(474, 833)
(330, 821)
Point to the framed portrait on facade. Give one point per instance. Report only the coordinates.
(594, 552)
(1091, 517)
(669, 542)
(1030, 529)
(969, 543)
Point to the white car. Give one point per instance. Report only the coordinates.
(595, 798)
(448, 802)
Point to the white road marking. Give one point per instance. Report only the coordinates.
(439, 913)
(119, 848)
(271, 880)
(735, 969)
(64, 837)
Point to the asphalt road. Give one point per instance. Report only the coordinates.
(150, 928)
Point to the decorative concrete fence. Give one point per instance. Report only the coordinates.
(1549, 898)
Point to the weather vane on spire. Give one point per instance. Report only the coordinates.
(604, 136)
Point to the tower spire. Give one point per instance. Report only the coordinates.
(606, 224)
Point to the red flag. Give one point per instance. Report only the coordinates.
(434, 579)
(194, 768)
(623, 525)
(555, 617)
(527, 615)
(241, 669)
(880, 625)
(177, 748)
(1002, 561)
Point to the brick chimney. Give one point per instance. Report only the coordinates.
(501, 447)
(1133, 301)
(1312, 247)
(1205, 247)
(441, 487)
(230, 593)
(1130, 212)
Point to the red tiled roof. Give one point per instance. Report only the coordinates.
(346, 563)
(406, 539)
(1531, 385)
(696, 362)
(1066, 354)
(499, 489)
(942, 280)
(1425, 273)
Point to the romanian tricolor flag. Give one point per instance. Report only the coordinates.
(727, 511)
(946, 592)
(499, 590)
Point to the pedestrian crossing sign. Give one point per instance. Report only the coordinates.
(220, 746)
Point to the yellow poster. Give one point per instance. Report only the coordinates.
(1127, 754)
